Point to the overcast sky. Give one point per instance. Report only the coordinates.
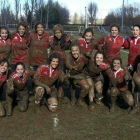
(104, 6)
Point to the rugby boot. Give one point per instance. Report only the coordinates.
(65, 100)
(9, 105)
(73, 98)
(31, 98)
(81, 103)
(98, 101)
(2, 110)
(113, 102)
(37, 109)
(73, 101)
(59, 102)
(91, 106)
(135, 110)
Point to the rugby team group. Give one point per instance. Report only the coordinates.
(38, 67)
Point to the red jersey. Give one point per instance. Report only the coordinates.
(39, 49)
(58, 49)
(80, 63)
(93, 70)
(18, 81)
(48, 76)
(2, 79)
(119, 74)
(5, 48)
(112, 46)
(134, 50)
(20, 48)
(88, 47)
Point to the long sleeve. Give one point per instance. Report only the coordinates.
(37, 82)
(67, 62)
(126, 44)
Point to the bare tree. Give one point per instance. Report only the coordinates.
(92, 12)
(131, 15)
(75, 18)
(26, 8)
(17, 7)
(82, 19)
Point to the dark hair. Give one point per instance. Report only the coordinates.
(24, 24)
(88, 30)
(5, 28)
(99, 52)
(55, 55)
(4, 60)
(116, 58)
(75, 44)
(136, 25)
(62, 40)
(115, 25)
(20, 63)
(38, 24)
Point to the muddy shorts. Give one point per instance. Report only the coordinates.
(96, 79)
(78, 77)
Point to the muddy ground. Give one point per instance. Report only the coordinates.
(71, 123)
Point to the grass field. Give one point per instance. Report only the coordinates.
(72, 123)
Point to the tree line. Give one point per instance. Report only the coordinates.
(131, 15)
(33, 11)
(51, 13)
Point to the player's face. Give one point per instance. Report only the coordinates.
(58, 34)
(4, 34)
(54, 63)
(116, 65)
(21, 30)
(136, 31)
(99, 59)
(75, 51)
(40, 29)
(20, 70)
(88, 36)
(3, 67)
(114, 31)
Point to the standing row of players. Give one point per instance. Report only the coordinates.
(44, 58)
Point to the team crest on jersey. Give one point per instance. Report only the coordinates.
(16, 38)
(45, 73)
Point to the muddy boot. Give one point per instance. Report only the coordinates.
(91, 106)
(2, 110)
(37, 109)
(9, 105)
(73, 99)
(31, 98)
(98, 101)
(65, 100)
(59, 102)
(113, 102)
(81, 103)
(135, 110)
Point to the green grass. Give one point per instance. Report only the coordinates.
(74, 123)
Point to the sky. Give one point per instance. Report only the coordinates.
(104, 6)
